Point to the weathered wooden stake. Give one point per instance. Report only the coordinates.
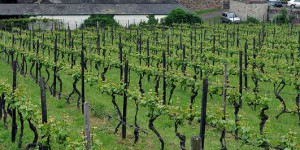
(44, 108)
(148, 56)
(203, 111)
(225, 91)
(246, 64)
(14, 119)
(87, 132)
(98, 41)
(183, 59)
(125, 100)
(37, 63)
(82, 75)
(222, 139)
(196, 143)
(4, 49)
(240, 77)
(164, 78)
(227, 38)
(43, 100)
(55, 67)
(121, 56)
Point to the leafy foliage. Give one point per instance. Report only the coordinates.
(180, 16)
(152, 20)
(252, 20)
(102, 20)
(283, 17)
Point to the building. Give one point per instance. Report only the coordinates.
(125, 11)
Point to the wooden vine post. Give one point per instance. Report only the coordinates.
(44, 109)
(82, 75)
(222, 140)
(196, 143)
(55, 67)
(203, 111)
(4, 49)
(164, 78)
(121, 56)
(214, 48)
(37, 63)
(240, 77)
(87, 132)
(43, 100)
(98, 40)
(183, 60)
(148, 56)
(72, 55)
(14, 119)
(125, 100)
(246, 64)
(191, 44)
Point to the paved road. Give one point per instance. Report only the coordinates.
(213, 14)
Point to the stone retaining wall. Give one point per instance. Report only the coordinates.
(197, 5)
(250, 8)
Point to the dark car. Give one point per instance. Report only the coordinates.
(275, 3)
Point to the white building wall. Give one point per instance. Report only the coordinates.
(123, 20)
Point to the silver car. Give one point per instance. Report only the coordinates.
(293, 3)
(230, 17)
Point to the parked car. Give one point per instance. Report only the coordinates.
(275, 3)
(293, 3)
(230, 17)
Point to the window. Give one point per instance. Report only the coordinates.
(231, 15)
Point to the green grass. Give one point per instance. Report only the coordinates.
(201, 12)
(103, 127)
(213, 21)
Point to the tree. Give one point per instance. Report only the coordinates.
(283, 17)
(178, 15)
(103, 21)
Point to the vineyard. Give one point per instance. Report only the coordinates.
(152, 86)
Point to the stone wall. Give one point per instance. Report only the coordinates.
(197, 5)
(252, 8)
(101, 1)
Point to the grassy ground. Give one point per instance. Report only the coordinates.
(104, 127)
(201, 12)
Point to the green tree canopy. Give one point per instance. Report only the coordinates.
(103, 21)
(178, 15)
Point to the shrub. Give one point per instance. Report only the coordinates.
(152, 20)
(283, 17)
(103, 21)
(180, 16)
(252, 20)
(22, 23)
